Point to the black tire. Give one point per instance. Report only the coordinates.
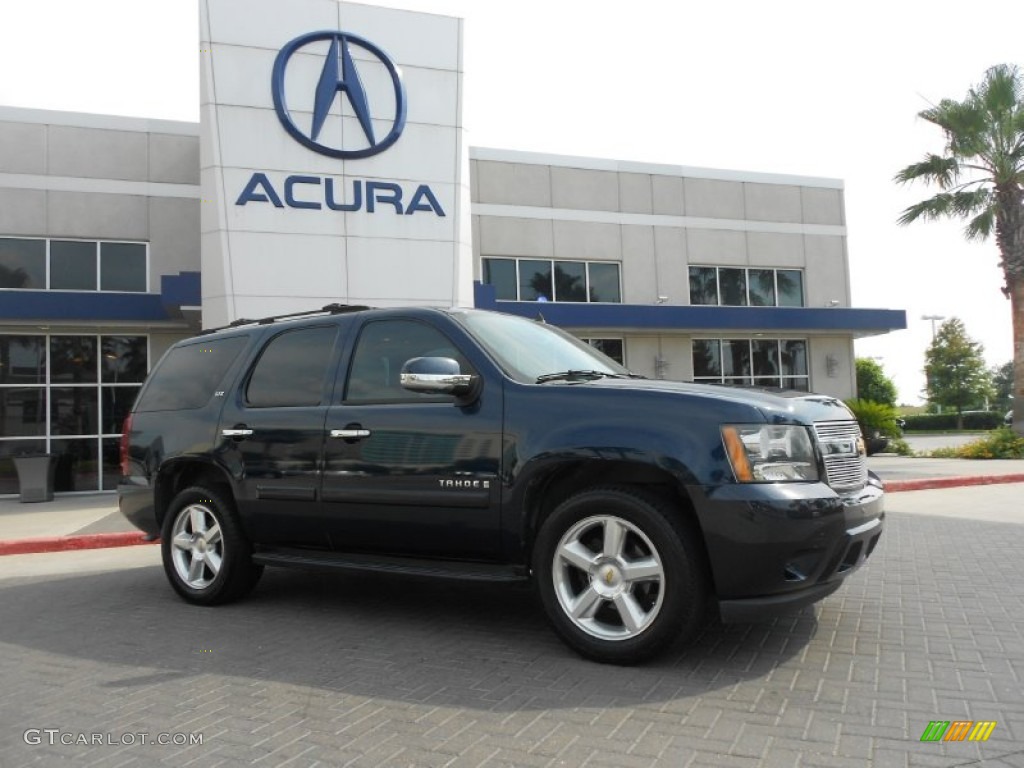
(207, 573)
(661, 609)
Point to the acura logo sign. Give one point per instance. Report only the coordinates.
(339, 80)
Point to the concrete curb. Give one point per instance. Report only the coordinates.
(66, 543)
(931, 483)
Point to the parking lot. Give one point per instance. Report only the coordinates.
(351, 670)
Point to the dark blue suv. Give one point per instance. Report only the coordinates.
(475, 445)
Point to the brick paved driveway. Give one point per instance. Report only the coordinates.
(341, 670)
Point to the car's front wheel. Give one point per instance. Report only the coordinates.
(206, 556)
(620, 574)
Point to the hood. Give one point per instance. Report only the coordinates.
(776, 405)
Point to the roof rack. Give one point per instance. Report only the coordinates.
(329, 309)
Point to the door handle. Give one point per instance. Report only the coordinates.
(236, 432)
(350, 434)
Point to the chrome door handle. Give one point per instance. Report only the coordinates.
(350, 433)
(236, 432)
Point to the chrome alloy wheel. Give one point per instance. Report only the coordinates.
(608, 577)
(197, 546)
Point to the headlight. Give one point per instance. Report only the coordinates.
(765, 453)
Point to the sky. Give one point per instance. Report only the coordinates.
(802, 87)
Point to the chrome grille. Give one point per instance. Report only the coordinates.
(845, 464)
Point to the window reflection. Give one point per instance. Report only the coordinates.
(703, 285)
(534, 280)
(570, 281)
(604, 283)
(761, 362)
(22, 263)
(733, 283)
(73, 359)
(124, 359)
(22, 359)
(762, 287)
(738, 286)
(791, 287)
(548, 280)
(77, 465)
(84, 396)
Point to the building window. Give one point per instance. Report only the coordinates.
(742, 287)
(68, 395)
(551, 280)
(752, 362)
(613, 348)
(22, 263)
(73, 265)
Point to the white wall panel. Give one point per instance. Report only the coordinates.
(426, 270)
(267, 23)
(306, 265)
(283, 254)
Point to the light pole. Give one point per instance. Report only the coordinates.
(933, 318)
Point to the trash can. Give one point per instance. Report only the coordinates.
(35, 476)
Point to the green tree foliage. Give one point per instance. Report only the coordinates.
(980, 176)
(955, 370)
(1002, 384)
(873, 384)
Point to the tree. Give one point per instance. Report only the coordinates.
(981, 179)
(873, 384)
(955, 370)
(1002, 383)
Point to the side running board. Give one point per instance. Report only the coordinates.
(440, 569)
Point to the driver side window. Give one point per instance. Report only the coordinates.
(383, 348)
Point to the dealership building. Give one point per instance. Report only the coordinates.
(330, 166)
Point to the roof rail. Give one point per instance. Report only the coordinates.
(329, 309)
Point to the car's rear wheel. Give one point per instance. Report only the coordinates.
(206, 556)
(620, 574)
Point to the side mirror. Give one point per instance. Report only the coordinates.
(435, 376)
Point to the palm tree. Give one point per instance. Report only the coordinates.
(981, 178)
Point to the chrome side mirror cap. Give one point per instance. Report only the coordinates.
(436, 376)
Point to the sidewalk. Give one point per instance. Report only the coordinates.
(67, 522)
(87, 522)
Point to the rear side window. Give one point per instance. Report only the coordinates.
(292, 369)
(189, 375)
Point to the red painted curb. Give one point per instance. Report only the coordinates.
(66, 543)
(930, 483)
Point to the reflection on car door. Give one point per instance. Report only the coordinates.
(406, 473)
(272, 435)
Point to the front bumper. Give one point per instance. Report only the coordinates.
(779, 547)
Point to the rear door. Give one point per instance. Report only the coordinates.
(406, 473)
(272, 434)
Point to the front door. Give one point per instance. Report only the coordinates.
(406, 473)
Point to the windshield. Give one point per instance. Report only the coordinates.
(528, 350)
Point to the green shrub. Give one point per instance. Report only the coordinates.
(937, 422)
(874, 418)
(900, 446)
(1002, 443)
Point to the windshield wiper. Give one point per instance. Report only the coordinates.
(571, 375)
